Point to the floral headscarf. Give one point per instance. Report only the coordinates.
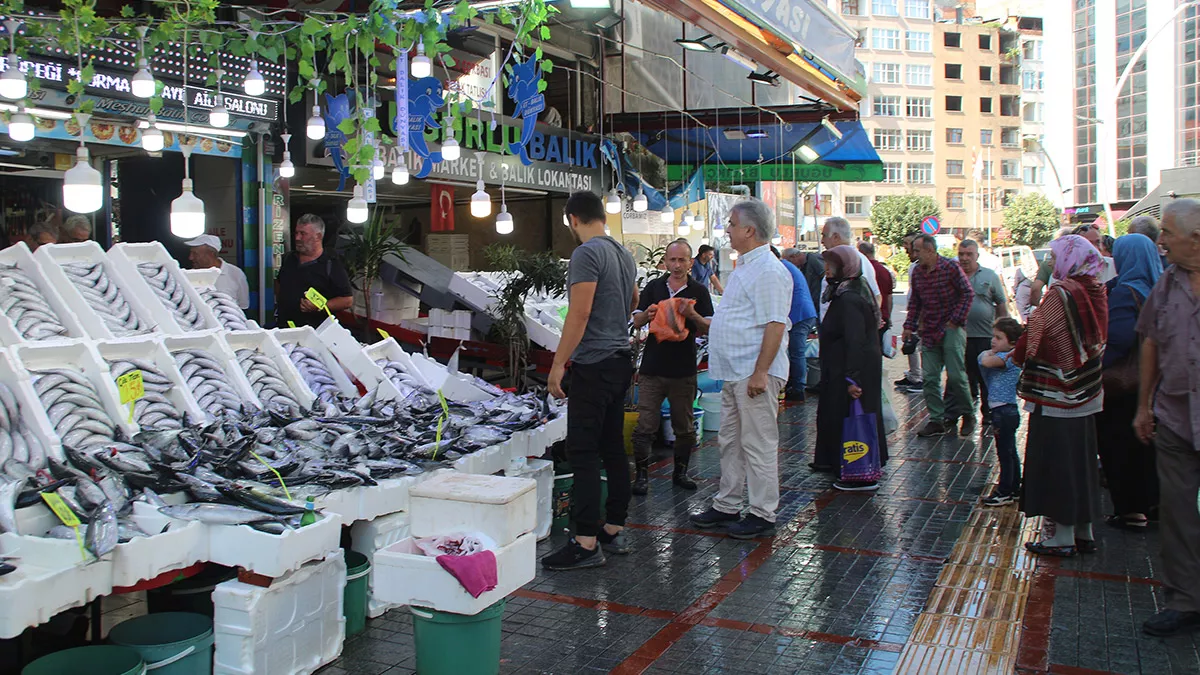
(1075, 256)
(847, 266)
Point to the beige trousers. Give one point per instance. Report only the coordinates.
(749, 441)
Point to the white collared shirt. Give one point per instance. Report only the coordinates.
(233, 282)
(759, 291)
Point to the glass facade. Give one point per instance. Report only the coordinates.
(1131, 102)
(1189, 87)
(1085, 101)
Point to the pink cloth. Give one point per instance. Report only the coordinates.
(476, 572)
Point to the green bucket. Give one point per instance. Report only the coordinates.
(93, 660)
(563, 485)
(440, 637)
(171, 643)
(354, 598)
(193, 595)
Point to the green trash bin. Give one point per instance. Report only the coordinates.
(442, 639)
(171, 643)
(354, 598)
(193, 595)
(563, 485)
(93, 660)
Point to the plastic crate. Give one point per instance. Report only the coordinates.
(51, 257)
(368, 537)
(125, 258)
(19, 256)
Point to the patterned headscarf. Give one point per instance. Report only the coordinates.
(847, 267)
(1075, 256)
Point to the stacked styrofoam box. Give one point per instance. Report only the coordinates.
(370, 536)
(214, 343)
(52, 256)
(126, 257)
(204, 279)
(51, 576)
(349, 353)
(150, 348)
(305, 336)
(390, 350)
(273, 555)
(140, 558)
(33, 415)
(264, 342)
(19, 256)
(82, 357)
(389, 303)
(291, 628)
(454, 325)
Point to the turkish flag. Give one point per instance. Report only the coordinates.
(441, 209)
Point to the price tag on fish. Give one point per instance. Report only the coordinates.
(384, 333)
(314, 296)
(131, 386)
(66, 515)
(291, 324)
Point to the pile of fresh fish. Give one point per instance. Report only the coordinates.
(266, 380)
(171, 294)
(313, 370)
(73, 406)
(103, 296)
(153, 410)
(207, 381)
(17, 440)
(226, 308)
(395, 372)
(23, 303)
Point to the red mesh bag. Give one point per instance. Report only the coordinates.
(669, 324)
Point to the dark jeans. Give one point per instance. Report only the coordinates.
(595, 435)
(956, 408)
(652, 391)
(797, 341)
(1005, 420)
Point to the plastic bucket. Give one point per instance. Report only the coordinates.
(354, 598)
(193, 594)
(171, 643)
(668, 431)
(564, 484)
(706, 384)
(711, 405)
(631, 419)
(440, 638)
(93, 660)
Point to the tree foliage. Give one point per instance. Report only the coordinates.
(365, 251)
(1032, 219)
(895, 217)
(541, 273)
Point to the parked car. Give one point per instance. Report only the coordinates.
(1013, 257)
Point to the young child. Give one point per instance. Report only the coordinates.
(1000, 375)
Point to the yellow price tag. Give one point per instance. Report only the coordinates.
(131, 387)
(291, 324)
(314, 296)
(384, 333)
(67, 516)
(437, 443)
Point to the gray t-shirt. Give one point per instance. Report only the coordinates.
(989, 294)
(603, 261)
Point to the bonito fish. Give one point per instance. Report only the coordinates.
(17, 440)
(73, 406)
(103, 296)
(23, 303)
(313, 370)
(266, 380)
(153, 410)
(172, 294)
(226, 308)
(208, 381)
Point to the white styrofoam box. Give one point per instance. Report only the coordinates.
(369, 536)
(462, 318)
(455, 388)
(369, 501)
(214, 343)
(556, 429)
(206, 278)
(272, 555)
(405, 576)
(305, 336)
(349, 352)
(81, 356)
(51, 576)
(542, 471)
(540, 335)
(462, 285)
(291, 628)
(33, 415)
(18, 256)
(151, 348)
(437, 317)
(501, 508)
(184, 544)
(484, 461)
(390, 350)
(461, 334)
(125, 258)
(265, 343)
(52, 256)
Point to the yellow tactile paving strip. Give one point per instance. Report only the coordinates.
(972, 619)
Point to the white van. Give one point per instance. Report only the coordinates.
(1013, 257)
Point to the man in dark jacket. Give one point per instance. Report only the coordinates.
(813, 268)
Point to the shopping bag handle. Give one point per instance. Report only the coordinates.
(856, 409)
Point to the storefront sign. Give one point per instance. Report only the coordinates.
(510, 171)
(804, 173)
(646, 222)
(337, 109)
(807, 26)
(524, 89)
(424, 99)
(127, 135)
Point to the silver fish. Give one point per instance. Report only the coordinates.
(223, 305)
(215, 514)
(172, 296)
(102, 530)
(9, 489)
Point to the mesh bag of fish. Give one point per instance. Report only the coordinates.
(172, 294)
(266, 381)
(318, 378)
(18, 443)
(226, 308)
(153, 410)
(208, 382)
(105, 299)
(73, 406)
(23, 303)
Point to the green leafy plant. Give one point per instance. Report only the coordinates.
(365, 250)
(894, 218)
(542, 273)
(647, 257)
(1032, 219)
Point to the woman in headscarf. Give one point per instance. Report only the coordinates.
(850, 350)
(1022, 288)
(1127, 464)
(1061, 355)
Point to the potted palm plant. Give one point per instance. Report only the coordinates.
(526, 273)
(364, 252)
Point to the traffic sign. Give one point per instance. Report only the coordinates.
(931, 225)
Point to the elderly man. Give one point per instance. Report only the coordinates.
(41, 234)
(748, 352)
(1169, 413)
(914, 378)
(989, 303)
(813, 268)
(232, 281)
(938, 305)
(668, 369)
(1148, 226)
(76, 229)
(704, 269)
(804, 318)
(836, 232)
(310, 266)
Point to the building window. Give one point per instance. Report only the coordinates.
(919, 140)
(987, 169)
(985, 136)
(985, 42)
(1010, 137)
(885, 73)
(916, 9)
(1132, 100)
(954, 135)
(985, 104)
(985, 73)
(917, 41)
(953, 71)
(954, 198)
(885, 106)
(920, 174)
(1188, 57)
(1010, 106)
(887, 139)
(892, 172)
(884, 8)
(954, 104)
(855, 206)
(953, 40)
(885, 38)
(1031, 80)
(918, 75)
(1033, 175)
(954, 167)
(1031, 50)
(1032, 112)
(851, 7)
(919, 107)
(1084, 16)
(1010, 168)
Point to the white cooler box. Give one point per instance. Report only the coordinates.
(500, 508)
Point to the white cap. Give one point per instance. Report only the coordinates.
(208, 240)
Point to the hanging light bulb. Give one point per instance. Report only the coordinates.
(481, 202)
(142, 85)
(12, 81)
(187, 213)
(777, 240)
(218, 116)
(704, 241)
(684, 229)
(688, 217)
(152, 137)
(400, 172)
(356, 209)
(254, 84)
(20, 126)
(82, 185)
(316, 125)
(718, 230)
(504, 220)
(612, 203)
(286, 168)
(640, 203)
(378, 170)
(698, 223)
(421, 66)
(450, 149)
(667, 215)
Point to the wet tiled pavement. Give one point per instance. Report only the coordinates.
(915, 579)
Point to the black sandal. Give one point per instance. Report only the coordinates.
(1085, 545)
(1041, 548)
(1127, 523)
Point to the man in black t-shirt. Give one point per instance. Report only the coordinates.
(310, 266)
(668, 369)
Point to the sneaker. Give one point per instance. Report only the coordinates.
(614, 543)
(933, 428)
(713, 518)
(795, 396)
(997, 499)
(573, 557)
(751, 527)
(903, 382)
(856, 485)
(968, 425)
(1172, 622)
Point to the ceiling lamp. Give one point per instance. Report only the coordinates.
(187, 211)
(421, 66)
(734, 56)
(687, 217)
(684, 229)
(356, 209)
(20, 126)
(152, 136)
(612, 203)
(12, 81)
(83, 186)
(400, 172)
(698, 44)
(450, 149)
(808, 154)
(378, 170)
(756, 133)
(667, 215)
(316, 125)
(831, 128)
(504, 220)
(698, 223)
(142, 85)
(640, 202)
(718, 230)
(254, 83)
(286, 168)
(481, 202)
(218, 116)
(768, 78)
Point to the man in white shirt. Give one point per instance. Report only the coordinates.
(836, 232)
(232, 281)
(747, 350)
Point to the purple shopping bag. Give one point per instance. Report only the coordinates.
(860, 446)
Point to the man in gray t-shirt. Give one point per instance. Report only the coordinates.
(990, 303)
(595, 338)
